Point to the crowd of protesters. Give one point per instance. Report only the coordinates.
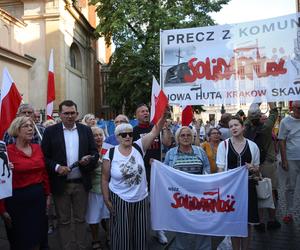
(73, 170)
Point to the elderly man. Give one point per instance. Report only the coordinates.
(289, 136)
(70, 155)
(26, 110)
(260, 132)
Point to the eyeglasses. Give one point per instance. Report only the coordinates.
(215, 133)
(26, 112)
(69, 113)
(185, 135)
(27, 126)
(124, 135)
(121, 121)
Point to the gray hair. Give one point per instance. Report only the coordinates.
(123, 127)
(25, 106)
(178, 132)
(95, 129)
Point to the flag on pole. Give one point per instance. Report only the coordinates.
(9, 103)
(51, 87)
(187, 115)
(159, 102)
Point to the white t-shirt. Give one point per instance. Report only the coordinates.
(128, 175)
(290, 131)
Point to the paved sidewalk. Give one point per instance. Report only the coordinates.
(285, 238)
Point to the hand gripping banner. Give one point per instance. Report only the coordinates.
(215, 204)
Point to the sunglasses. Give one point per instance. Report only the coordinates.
(124, 135)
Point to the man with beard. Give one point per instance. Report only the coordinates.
(260, 131)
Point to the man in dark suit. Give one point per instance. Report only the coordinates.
(70, 155)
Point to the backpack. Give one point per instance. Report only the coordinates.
(112, 151)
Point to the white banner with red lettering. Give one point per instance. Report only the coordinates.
(232, 64)
(5, 173)
(215, 204)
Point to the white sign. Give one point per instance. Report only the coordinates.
(215, 204)
(231, 64)
(5, 173)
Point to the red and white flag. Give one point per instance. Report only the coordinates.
(51, 87)
(105, 147)
(159, 102)
(187, 115)
(9, 103)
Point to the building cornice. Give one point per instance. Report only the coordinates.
(79, 17)
(25, 60)
(8, 17)
(54, 16)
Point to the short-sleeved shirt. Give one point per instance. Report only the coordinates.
(127, 174)
(289, 130)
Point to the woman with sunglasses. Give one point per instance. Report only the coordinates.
(191, 159)
(124, 188)
(235, 152)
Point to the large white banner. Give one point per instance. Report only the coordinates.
(5, 173)
(215, 204)
(232, 64)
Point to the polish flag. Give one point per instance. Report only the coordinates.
(9, 102)
(187, 115)
(159, 102)
(105, 147)
(51, 88)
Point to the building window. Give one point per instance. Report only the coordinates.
(75, 57)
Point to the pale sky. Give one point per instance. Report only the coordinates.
(238, 11)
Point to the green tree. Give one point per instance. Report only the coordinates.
(134, 27)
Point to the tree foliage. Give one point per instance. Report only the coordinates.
(134, 27)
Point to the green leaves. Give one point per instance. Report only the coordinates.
(134, 26)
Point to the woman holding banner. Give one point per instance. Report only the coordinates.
(191, 159)
(235, 152)
(124, 188)
(26, 209)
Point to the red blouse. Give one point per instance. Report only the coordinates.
(28, 170)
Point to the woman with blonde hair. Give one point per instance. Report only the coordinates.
(89, 120)
(26, 208)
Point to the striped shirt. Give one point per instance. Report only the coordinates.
(189, 163)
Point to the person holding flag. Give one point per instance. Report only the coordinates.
(124, 187)
(159, 102)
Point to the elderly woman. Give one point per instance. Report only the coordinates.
(96, 209)
(235, 152)
(89, 120)
(191, 159)
(124, 188)
(24, 213)
(211, 146)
